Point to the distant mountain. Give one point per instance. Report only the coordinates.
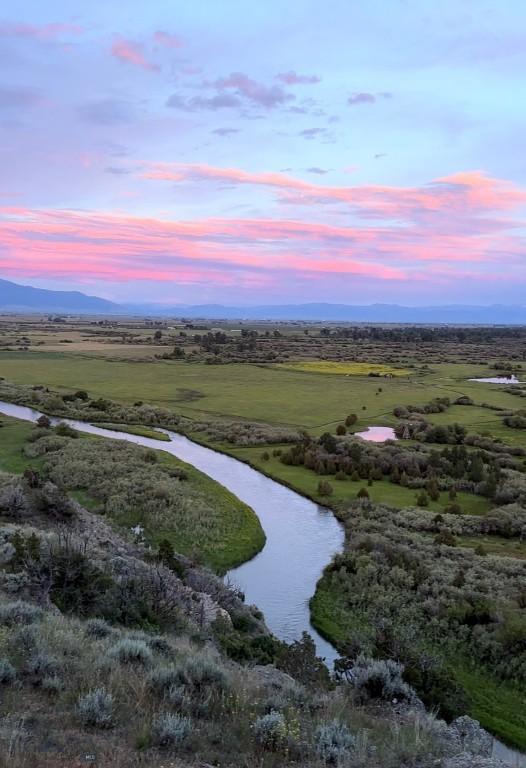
(25, 298)
(457, 314)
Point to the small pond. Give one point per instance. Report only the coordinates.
(377, 434)
(500, 380)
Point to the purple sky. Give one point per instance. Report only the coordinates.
(250, 153)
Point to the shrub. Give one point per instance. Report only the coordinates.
(363, 493)
(42, 665)
(95, 708)
(64, 430)
(19, 612)
(203, 673)
(98, 628)
(163, 679)
(7, 672)
(333, 742)
(52, 684)
(380, 679)
(341, 429)
(129, 651)
(160, 644)
(270, 731)
(170, 730)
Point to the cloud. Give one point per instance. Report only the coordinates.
(368, 98)
(225, 131)
(254, 92)
(132, 52)
(361, 98)
(39, 31)
(292, 78)
(18, 98)
(116, 170)
(107, 111)
(258, 252)
(219, 101)
(167, 39)
(312, 133)
(319, 171)
(459, 200)
(235, 91)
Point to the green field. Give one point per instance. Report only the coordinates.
(344, 368)
(263, 393)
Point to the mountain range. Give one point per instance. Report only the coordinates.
(25, 298)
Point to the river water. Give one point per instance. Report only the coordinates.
(302, 538)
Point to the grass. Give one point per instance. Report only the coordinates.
(500, 709)
(344, 368)
(241, 537)
(137, 429)
(235, 537)
(13, 436)
(496, 545)
(305, 481)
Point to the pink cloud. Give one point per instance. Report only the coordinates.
(132, 53)
(454, 201)
(40, 31)
(167, 39)
(62, 243)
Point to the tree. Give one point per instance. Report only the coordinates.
(340, 430)
(351, 420)
(158, 335)
(476, 469)
(422, 499)
(363, 493)
(324, 488)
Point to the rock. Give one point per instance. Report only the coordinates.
(470, 737)
(270, 677)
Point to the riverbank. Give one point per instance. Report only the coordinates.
(438, 609)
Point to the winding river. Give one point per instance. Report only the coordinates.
(302, 538)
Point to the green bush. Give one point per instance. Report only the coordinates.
(95, 708)
(333, 742)
(169, 730)
(130, 651)
(270, 731)
(19, 612)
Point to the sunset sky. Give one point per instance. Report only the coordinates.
(272, 152)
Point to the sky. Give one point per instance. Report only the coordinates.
(247, 153)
